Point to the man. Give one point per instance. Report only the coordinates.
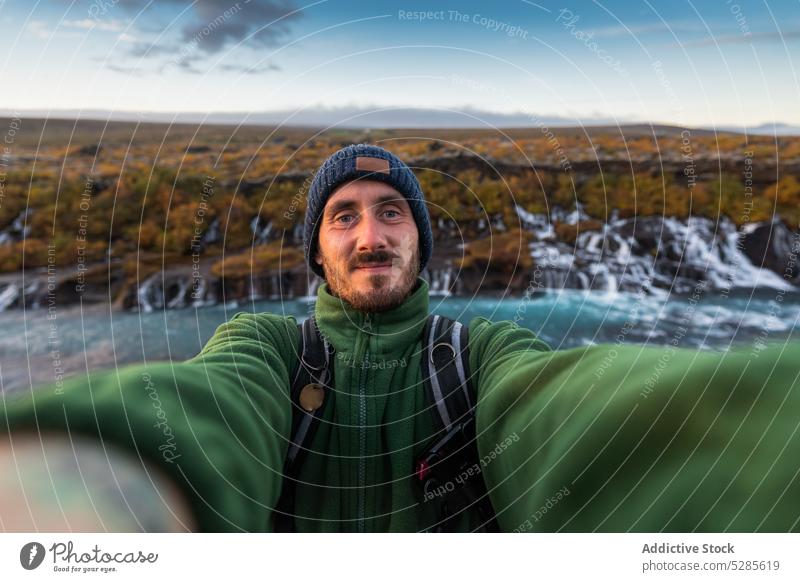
(567, 441)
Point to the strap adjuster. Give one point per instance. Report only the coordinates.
(445, 344)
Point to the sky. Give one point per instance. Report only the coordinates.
(720, 63)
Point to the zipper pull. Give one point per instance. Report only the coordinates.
(368, 323)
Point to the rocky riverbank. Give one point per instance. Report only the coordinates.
(653, 254)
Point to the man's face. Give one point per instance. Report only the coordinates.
(368, 246)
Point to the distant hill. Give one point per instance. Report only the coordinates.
(386, 118)
(83, 132)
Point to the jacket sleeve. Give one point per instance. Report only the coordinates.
(630, 438)
(218, 423)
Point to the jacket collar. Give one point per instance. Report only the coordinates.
(391, 330)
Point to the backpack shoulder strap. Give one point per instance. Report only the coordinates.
(310, 387)
(446, 373)
(310, 393)
(451, 393)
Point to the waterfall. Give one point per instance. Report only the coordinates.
(180, 297)
(275, 284)
(440, 282)
(260, 234)
(253, 292)
(498, 224)
(8, 296)
(286, 286)
(591, 242)
(448, 275)
(538, 224)
(199, 293)
(211, 235)
(612, 288)
(143, 294)
(17, 230)
(559, 214)
(32, 290)
(19, 223)
(313, 286)
(297, 232)
(746, 274)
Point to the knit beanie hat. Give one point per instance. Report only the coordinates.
(366, 162)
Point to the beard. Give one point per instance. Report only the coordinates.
(382, 291)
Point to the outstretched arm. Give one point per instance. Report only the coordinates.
(216, 426)
(629, 438)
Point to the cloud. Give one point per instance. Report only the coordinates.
(38, 28)
(41, 29)
(207, 27)
(221, 24)
(91, 23)
(189, 65)
(147, 49)
(186, 64)
(250, 70)
(214, 25)
(130, 71)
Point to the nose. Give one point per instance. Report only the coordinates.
(371, 235)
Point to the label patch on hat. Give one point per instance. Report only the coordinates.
(372, 164)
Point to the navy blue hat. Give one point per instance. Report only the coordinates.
(374, 163)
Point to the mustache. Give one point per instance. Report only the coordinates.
(371, 257)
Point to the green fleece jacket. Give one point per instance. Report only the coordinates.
(602, 438)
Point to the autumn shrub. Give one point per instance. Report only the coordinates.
(568, 233)
(257, 260)
(26, 254)
(503, 252)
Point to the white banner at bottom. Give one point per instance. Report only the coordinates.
(406, 557)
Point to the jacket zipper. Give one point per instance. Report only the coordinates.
(362, 452)
(362, 414)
